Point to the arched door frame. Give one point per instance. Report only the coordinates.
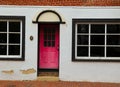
(39, 22)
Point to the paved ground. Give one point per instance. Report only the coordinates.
(55, 84)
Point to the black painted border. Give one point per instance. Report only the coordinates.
(74, 21)
(60, 22)
(22, 18)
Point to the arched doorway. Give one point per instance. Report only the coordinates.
(48, 40)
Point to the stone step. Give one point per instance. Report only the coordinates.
(47, 78)
(48, 74)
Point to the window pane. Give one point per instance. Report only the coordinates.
(48, 30)
(14, 26)
(97, 40)
(45, 43)
(3, 26)
(97, 28)
(14, 50)
(97, 51)
(83, 28)
(45, 36)
(53, 31)
(3, 49)
(113, 28)
(113, 51)
(82, 40)
(113, 39)
(53, 37)
(3, 38)
(49, 44)
(14, 38)
(53, 43)
(49, 36)
(82, 51)
(45, 30)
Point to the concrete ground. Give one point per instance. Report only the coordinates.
(55, 84)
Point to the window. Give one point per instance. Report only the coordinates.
(97, 40)
(12, 33)
(49, 37)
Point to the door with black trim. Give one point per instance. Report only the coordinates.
(49, 46)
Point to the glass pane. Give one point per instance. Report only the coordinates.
(49, 43)
(97, 51)
(45, 43)
(97, 40)
(82, 51)
(52, 31)
(14, 26)
(14, 50)
(45, 36)
(45, 31)
(3, 38)
(3, 50)
(82, 28)
(3, 26)
(113, 28)
(14, 38)
(97, 28)
(49, 36)
(53, 37)
(48, 30)
(113, 39)
(82, 40)
(113, 51)
(53, 43)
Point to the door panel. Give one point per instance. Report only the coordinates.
(49, 47)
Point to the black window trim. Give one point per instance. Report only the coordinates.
(21, 18)
(74, 22)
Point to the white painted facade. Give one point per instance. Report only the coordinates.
(68, 70)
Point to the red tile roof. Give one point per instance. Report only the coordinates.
(62, 2)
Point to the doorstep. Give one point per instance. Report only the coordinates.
(48, 78)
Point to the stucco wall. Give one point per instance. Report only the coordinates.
(30, 63)
(69, 71)
(85, 71)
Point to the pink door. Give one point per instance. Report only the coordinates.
(49, 46)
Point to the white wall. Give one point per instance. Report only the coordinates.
(85, 71)
(69, 71)
(30, 48)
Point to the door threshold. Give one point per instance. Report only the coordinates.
(54, 74)
(48, 72)
(48, 78)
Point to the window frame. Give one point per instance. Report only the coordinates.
(74, 42)
(20, 19)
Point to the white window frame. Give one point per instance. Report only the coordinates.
(9, 19)
(74, 39)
